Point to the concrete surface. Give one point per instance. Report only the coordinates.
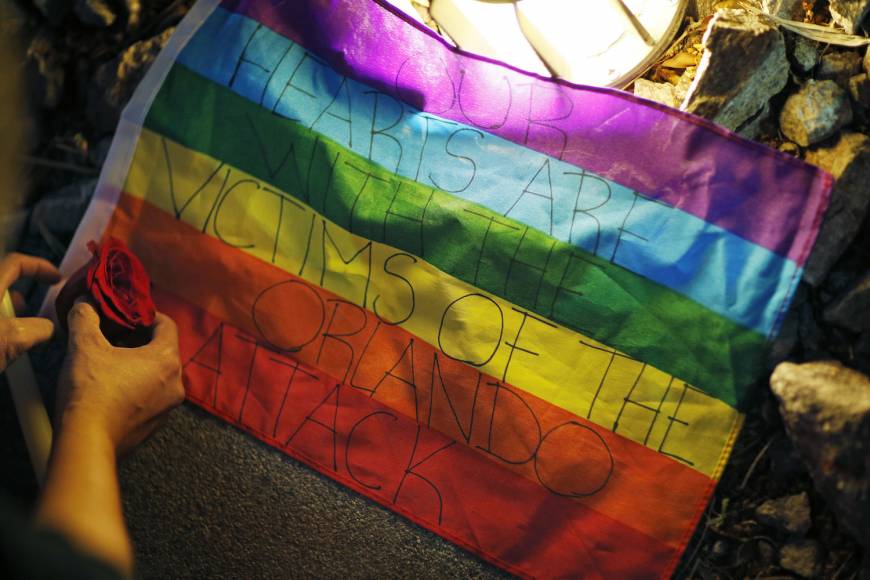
(204, 500)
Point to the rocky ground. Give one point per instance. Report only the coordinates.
(794, 498)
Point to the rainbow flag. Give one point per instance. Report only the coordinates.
(524, 314)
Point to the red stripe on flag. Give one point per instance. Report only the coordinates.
(644, 489)
(427, 477)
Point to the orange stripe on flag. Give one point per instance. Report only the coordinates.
(418, 472)
(570, 459)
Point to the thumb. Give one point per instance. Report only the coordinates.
(22, 334)
(84, 325)
(165, 334)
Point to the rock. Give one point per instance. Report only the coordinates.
(53, 10)
(810, 333)
(852, 309)
(838, 280)
(792, 149)
(839, 67)
(743, 66)
(798, 328)
(814, 113)
(766, 552)
(698, 9)
(659, 92)
(785, 463)
(45, 69)
(751, 128)
(115, 81)
(849, 13)
(849, 162)
(789, 9)
(805, 53)
(826, 410)
(859, 89)
(787, 338)
(721, 549)
(801, 557)
(95, 13)
(790, 513)
(681, 89)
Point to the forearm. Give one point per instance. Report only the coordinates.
(82, 496)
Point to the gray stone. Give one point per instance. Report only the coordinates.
(681, 89)
(849, 13)
(799, 327)
(115, 81)
(792, 149)
(859, 89)
(744, 64)
(96, 13)
(801, 557)
(721, 549)
(659, 92)
(766, 553)
(852, 309)
(810, 333)
(46, 71)
(849, 162)
(839, 67)
(698, 9)
(790, 513)
(805, 53)
(789, 9)
(815, 112)
(787, 339)
(752, 127)
(826, 410)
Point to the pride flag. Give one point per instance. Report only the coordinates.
(521, 313)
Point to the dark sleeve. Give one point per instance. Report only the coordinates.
(32, 553)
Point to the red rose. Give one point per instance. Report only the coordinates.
(118, 285)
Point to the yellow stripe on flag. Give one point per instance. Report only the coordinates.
(558, 365)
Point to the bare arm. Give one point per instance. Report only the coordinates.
(81, 497)
(109, 400)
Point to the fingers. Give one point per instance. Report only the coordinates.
(22, 334)
(165, 334)
(84, 326)
(14, 266)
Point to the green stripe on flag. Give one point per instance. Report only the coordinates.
(525, 266)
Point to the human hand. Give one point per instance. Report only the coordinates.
(124, 392)
(18, 335)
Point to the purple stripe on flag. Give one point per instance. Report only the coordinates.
(755, 192)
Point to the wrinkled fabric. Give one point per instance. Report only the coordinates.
(523, 314)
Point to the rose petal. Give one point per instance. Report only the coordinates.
(120, 286)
